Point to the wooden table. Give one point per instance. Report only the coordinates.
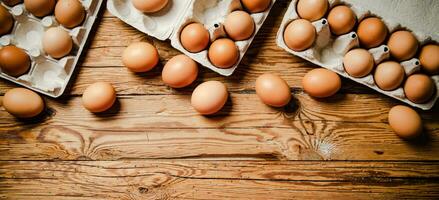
(153, 145)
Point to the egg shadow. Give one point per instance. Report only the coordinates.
(45, 115)
(224, 112)
(292, 109)
(422, 141)
(113, 111)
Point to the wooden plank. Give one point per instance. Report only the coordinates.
(165, 126)
(219, 180)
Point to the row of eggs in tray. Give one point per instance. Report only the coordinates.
(372, 32)
(56, 41)
(194, 37)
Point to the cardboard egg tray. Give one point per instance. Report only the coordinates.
(47, 75)
(328, 50)
(168, 23)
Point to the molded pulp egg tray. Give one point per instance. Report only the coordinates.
(47, 75)
(168, 23)
(328, 50)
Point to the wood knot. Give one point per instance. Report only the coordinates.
(143, 190)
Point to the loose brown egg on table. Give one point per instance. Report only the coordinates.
(39, 8)
(99, 97)
(255, 6)
(12, 2)
(372, 32)
(69, 13)
(140, 57)
(389, 75)
(358, 63)
(429, 58)
(239, 25)
(273, 90)
(419, 88)
(312, 10)
(6, 21)
(321, 83)
(194, 37)
(57, 42)
(14, 61)
(209, 97)
(150, 6)
(300, 35)
(180, 71)
(223, 53)
(403, 45)
(23, 103)
(341, 20)
(405, 121)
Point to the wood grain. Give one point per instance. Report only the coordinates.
(165, 126)
(219, 180)
(153, 145)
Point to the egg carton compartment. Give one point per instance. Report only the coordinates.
(328, 50)
(47, 75)
(159, 25)
(210, 13)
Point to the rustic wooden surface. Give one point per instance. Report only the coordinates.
(153, 145)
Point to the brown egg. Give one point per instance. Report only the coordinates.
(405, 121)
(372, 32)
(99, 97)
(23, 103)
(403, 45)
(239, 25)
(209, 97)
(150, 6)
(255, 6)
(39, 8)
(419, 88)
(194, 37)
(223, 53)
(14, 61)
(140, 57)
(389, 75)
(321, 83)
(12, 2)
(312, 10)
(57, 42)
(429, 58)
(341, 20)
(180, 71)
(273, 90)
(299, 35)
(358, 63)
(69, 13)
(6, 21)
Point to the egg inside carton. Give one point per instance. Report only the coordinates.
(169, 22)
(328, 50)
(47, 75)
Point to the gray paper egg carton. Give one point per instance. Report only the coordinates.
(47, 75)
(168, 23)
(328, 50)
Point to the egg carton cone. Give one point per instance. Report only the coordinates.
(169, 22)
(47, 75)
(328, 50)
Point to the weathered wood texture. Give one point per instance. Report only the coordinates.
(218, 180)
(340, 147)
